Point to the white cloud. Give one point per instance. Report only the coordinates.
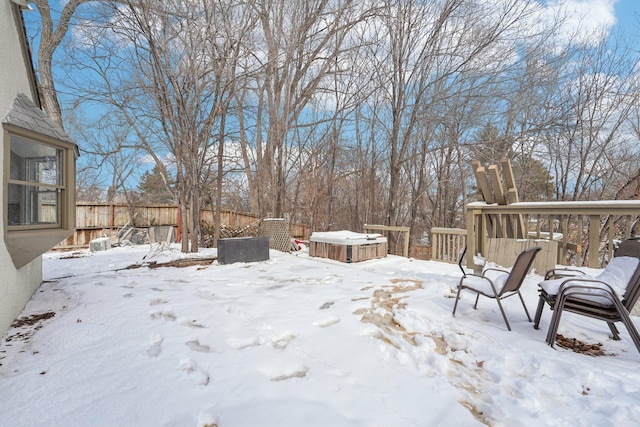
(587, 19)
(593, 13)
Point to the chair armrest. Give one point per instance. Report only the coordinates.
(493, 269)
(557, 273)
(480, 276)
(479, 285)
(568, 287)
(586, 291)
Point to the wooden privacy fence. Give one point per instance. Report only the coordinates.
(95, 220)
(117, 215)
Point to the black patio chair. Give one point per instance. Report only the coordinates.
(610, 296)
(504, 285)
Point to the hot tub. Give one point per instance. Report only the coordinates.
(347, 246)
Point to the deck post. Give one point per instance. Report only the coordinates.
(474, 233)
(594, 239)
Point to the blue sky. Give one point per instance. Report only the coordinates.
(627, 15)
(597, 13)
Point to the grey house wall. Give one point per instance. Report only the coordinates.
(16, 76)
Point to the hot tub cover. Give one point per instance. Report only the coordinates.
(346, 237)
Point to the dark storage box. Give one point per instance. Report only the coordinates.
(243, 249)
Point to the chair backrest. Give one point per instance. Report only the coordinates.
(520, 269)
(631, 247)
(464, 252)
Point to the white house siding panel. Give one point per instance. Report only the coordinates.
(14, 74)
(16, 285)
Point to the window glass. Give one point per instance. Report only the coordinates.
(32, 205)
(35, 162)
(35, 183)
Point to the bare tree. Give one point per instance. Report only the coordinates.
(51, 35)
(437, 62)
(302, 42)
(593, 143)
(165, 71)
(346, 112)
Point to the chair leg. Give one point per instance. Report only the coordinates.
(635, 336)
(626, 320)
(455, 306)
(525, 306)
(504, 315)
(555, 322)
(475, 306)
(614, 331)
(536, 319)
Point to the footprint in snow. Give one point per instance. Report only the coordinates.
(155, 346)
(206, 293)
(196, 346)
(282, 341)
(282, 374)
(326, 322)
(242, 343)
(326, 305)
(190, 367)
(191, 323)
(163, 314)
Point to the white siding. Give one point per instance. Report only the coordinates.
(14, 74)
(16, 286)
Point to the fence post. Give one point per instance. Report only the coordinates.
(179, 231)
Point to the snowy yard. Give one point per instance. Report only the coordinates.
(296, 341)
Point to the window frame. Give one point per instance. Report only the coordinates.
(34, 187)
(65, 189)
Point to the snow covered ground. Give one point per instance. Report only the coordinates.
(296, 341)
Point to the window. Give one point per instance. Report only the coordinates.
(35, 183)
(38, 174)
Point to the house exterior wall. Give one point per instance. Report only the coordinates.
(15, 70)
(16, 285)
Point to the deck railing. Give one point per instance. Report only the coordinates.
(586, 232)
(447, 244)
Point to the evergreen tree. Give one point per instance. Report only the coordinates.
(156, 187)
(490, 147)
(533, 179)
